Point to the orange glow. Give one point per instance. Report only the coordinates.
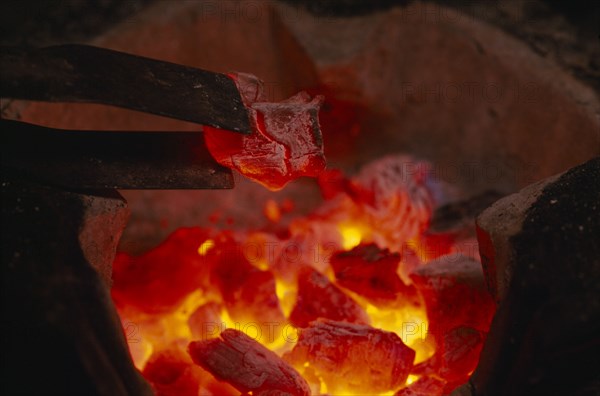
(273, 264)
(205, 247)
(272, 211)
(286, 293)
(351, 236)
(141, 351)
(411, 378)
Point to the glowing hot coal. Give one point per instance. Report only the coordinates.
(285, 142)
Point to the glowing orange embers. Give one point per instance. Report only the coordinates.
(355, 298)
(285, 142)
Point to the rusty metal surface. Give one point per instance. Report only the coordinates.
(79, 160)
(80, 73)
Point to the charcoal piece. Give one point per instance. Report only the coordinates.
(354, 357)
(159, 280)
(285, 142)
(247, 365)
(372, 273)
(204, 320)
(458, 215)
(429, 367)
(249, 294)
(395, 192)
(456, 357)
(455, 294)
(459, 354)
(424, 386)
(319, 298)
(171, 373)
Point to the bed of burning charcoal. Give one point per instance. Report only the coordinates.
(357, 297)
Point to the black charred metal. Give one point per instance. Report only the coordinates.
(86, 74)
(96, 160)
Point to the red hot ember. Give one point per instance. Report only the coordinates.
(319, 298)
(247, 365)
(373, 273)
(352, 357)
(285, 142)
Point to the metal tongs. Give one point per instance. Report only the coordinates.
(103, 159)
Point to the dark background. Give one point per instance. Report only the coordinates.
(566, 31)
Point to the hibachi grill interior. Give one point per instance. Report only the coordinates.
(269, 198)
